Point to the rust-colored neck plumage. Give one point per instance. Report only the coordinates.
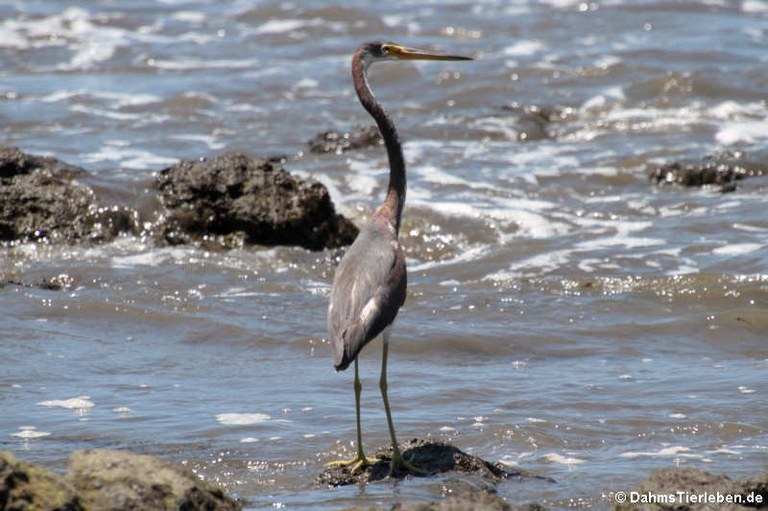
(395, 199)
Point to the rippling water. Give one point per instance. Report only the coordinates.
(564, 316)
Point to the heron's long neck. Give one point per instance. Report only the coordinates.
(395, 199)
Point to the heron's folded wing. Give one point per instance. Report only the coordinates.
(368, 290)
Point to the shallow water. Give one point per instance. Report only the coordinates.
(564, 316)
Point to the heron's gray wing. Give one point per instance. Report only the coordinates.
(368, 290)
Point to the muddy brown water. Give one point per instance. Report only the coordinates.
(564, 316)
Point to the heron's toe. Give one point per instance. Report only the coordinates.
(398, 465)
(358, 463)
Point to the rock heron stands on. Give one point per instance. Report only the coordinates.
(369, 285)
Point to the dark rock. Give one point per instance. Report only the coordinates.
(39, 201)
(337, 142)
(233, 199)
(723, 169)
(681, 483)
(14, 162)
(101, 480)
(25, 486)
(757, 489)
(118, 480)
(55, 283)
(434, 457)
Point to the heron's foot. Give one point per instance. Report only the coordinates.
(400, 465)
(355, 464)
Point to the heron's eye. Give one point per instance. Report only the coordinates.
(386, 49)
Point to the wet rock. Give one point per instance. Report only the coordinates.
(692, 488)
(40, 201)
(723, 169)
(26, 486)
(118, 480)
(757, 488)
(233, 199)
(14, 162)
(101, 480)
(58, 282)
(336, 142)
(534, 122)
(434, 457)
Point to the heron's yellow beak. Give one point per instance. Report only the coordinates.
(404, 53)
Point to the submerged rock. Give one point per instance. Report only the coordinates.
(62, 281)
(433, 457)
(40, 201)
(723, 169)
(100, 480)
(337, 142)
(233, 199)
(534, 122)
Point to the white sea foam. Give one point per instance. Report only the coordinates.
(724, 450)
(754, 6)
(190, 16)
(737, 249)
(363, 178)
(93, 43)
(182, 64)
(113, 99)
(554, 457)
(600, 101)
(467, 255)
(25, 33)
(746, 132)
(212, 142)
(664, 452)
(74, 403)
(242, 419)
(154, 257)
(433, 174)
(306, 83)
(280, 26)
(503, 126)
(30, 433)
(562, 4)
(533, 265)
(523, 48)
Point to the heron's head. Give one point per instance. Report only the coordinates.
(378, 51)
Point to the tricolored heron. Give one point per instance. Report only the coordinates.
(369, 285)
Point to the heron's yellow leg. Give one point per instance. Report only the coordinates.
(398, 463)
(360, 460)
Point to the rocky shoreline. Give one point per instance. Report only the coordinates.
(101, 480)
(233, 199)
(223, 202)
